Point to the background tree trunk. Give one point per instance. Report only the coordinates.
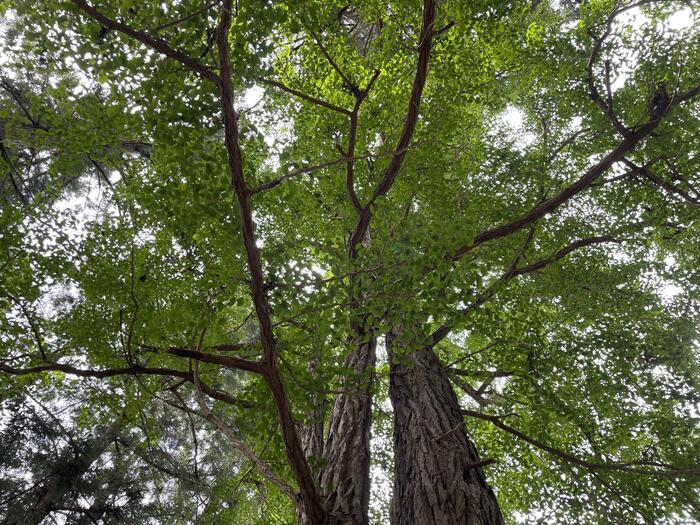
(435, 480)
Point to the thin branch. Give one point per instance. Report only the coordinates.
(187, 17)
(352, 140)
(12, 174)
(303, 96)
(683, 97)
(560, 254)
(665, 470)
(261, 466)
(350, 165)
(592, 88)
(35, 329)
(512, 272)
(516, 260)
(19, 99)
(472, 392)
(566, 142)
(475, 352)
(296, 173)
(671, 188)
(349, 84)
(309, 169)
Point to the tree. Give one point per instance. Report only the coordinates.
(484, 212)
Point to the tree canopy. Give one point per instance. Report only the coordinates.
(269, 262)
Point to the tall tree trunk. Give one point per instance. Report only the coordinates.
(437, 480)
(311, 436)
(345, 477)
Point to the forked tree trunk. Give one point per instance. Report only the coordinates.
(435, 477)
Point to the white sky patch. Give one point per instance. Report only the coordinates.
(682, 19)
(380, 477)
(513, 119)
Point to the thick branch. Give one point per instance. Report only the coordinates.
(223, 360)
(295, 454)
(481, 373)
(134, 370)
(155, 43)
(563, 196)
(426, 38)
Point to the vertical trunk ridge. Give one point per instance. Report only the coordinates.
(435, 479)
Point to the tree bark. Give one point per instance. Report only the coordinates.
(311, 437)
(436, 480)
(345, 477)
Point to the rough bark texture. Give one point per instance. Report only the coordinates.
(435, 478)
(311, 436)
(311, 433)
(345, 478)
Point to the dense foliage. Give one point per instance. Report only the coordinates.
(512, 185)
